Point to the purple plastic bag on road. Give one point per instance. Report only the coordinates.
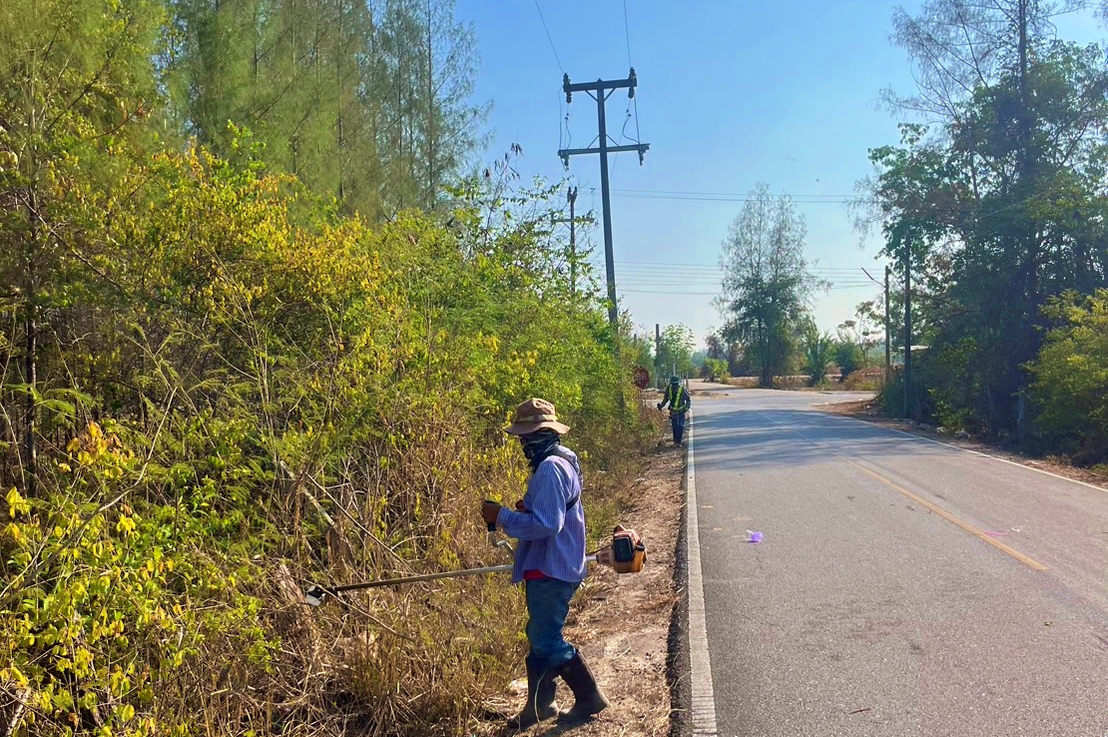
(753, 537)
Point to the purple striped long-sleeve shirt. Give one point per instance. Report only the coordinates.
(551, 538)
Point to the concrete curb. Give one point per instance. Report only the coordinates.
(702, 704)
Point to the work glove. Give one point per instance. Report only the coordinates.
(490, 511)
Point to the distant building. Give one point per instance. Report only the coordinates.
(898, 357)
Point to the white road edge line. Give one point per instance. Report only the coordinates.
(971, 451)
(703, 707)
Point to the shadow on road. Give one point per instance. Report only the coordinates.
(786, 437)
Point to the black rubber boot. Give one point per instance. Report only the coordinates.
(540, 697)
(588, 699)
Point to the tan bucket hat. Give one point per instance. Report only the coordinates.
(534, 415)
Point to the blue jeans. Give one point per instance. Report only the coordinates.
(677, 421)
(547, 607)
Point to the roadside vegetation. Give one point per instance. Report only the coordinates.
(996, 209)
(261, 327)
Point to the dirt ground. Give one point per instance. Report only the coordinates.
(621, 623)
(865, 411)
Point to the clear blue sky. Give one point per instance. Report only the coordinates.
(730, 93)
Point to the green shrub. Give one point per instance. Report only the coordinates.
(849, 357)
(818, 353)
(272, 395)
(715, 369)
(1070, 387)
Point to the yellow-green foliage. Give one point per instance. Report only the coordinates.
(232, 392)
(1071, 377)
(255, 394)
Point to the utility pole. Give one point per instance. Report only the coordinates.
(888, 324)
(907, 327)
(571, 198)
(888, 335)
(571, 195)
(657, 353)
(600, 90)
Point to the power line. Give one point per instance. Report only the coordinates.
(710, 270)
(667, 266)
(561, 115)
(627, 31)
(718, 275)
(640, 284)
(633, 100)
(732, 194)
(661, 291)
(622, 138)
(686, 293)
(667, 276)
(636, 280)
(548, 38)
(720, 198)
(808, 199)
(716, 272)
(638, 135)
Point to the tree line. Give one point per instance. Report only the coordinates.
(993, 214)
(261, 320)
(993, 210)
(366, 101)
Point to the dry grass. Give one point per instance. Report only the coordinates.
(439, 658)
(433, 658)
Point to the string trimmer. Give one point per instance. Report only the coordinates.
(626, 554)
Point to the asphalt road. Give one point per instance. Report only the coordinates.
(902, 588)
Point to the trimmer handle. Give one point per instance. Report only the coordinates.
(491, 526)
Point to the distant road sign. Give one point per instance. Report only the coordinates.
(641, 377)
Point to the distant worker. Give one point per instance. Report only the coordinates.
(549, 523)
(679, 402)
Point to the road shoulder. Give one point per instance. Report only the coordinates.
(863, 411)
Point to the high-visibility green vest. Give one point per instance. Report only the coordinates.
(677, 395)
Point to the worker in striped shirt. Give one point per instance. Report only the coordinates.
(549, 523)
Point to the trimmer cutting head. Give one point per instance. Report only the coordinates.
(315, 595)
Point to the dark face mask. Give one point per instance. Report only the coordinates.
(538, 446)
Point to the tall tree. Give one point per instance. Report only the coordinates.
(674, 352)
(766, 280)
(999, 205)
(367, 101)
(78, 91)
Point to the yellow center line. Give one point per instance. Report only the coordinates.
(971, 529)
(949, 517)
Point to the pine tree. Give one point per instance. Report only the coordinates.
(365, 102)
(78, 87)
